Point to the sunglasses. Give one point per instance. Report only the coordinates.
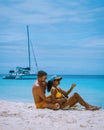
(43, 81)
(57, 80)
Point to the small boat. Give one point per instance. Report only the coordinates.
(23, 73)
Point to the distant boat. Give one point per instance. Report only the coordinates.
(23, 73)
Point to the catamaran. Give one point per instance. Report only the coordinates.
(24, 73)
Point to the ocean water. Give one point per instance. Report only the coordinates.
(91, 88)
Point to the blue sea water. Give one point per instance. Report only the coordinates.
(91, 88)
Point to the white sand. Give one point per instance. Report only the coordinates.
(24, 116)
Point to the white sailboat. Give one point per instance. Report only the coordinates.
(23, 73)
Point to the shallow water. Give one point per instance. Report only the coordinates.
(91, 88)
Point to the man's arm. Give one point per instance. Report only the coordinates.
(42, 96)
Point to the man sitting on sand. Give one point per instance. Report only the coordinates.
(38, 90)
(57, 93)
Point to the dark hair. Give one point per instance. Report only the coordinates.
(49, 85)
(42, 73)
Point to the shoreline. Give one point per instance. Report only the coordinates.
(24, 116)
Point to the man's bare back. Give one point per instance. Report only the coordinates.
(38, 93)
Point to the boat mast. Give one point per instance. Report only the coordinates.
(28, 47)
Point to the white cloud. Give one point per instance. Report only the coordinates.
(11, 37)
(46, 12)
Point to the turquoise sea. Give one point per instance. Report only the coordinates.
(91, 88)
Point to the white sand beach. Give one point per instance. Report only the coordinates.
(24, 116)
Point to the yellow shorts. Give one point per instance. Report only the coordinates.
(41, 104)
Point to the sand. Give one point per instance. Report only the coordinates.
(24, 116)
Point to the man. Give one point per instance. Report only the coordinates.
(38, 90)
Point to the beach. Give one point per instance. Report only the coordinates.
(24, 116)
(18, 112)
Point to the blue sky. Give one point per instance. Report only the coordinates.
(67, 36)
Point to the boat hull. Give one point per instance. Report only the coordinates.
(21, 77)
(26, 76)
(8, 77)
